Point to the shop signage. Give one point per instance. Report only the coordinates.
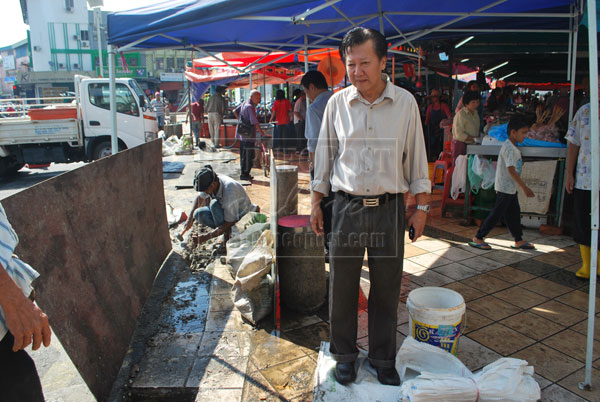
(172, 77)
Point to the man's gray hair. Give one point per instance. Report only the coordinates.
(254, 92)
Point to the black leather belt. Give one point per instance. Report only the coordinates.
(371, 200)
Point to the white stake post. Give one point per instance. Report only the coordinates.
(113, 100)
(593, 59)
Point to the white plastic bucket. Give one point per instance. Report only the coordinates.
(436, 316)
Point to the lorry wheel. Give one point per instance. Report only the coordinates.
(9, 166)
(102, 150)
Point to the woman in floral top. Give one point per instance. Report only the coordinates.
(578, 181)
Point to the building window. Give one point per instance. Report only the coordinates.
(180, 63)
(170, 62)
(160, 64)
(84, 35)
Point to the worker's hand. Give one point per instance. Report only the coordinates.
(25, 321)
(528, 192)
(199, 239)
(569, 183)
(316, 220)
(417, 220)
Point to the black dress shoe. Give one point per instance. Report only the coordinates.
(345, 373)
(387, 375)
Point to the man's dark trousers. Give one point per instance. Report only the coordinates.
(379, 229)
(246, 156)
(19, 380)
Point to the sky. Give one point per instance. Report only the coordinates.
(12, 28)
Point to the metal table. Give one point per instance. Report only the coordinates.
(528, 153)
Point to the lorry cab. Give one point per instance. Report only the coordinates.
(136, 122)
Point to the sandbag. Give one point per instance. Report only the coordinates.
(253, 287)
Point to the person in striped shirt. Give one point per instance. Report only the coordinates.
(159, 107)
(22, 322)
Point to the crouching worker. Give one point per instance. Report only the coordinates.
(221, 203)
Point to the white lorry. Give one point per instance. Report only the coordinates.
(76, 131)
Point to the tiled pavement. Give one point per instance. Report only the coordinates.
(525, 304)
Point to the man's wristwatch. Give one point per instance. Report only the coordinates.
(424, 208)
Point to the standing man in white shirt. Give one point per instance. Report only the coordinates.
(215, 109)
(370, 152)
(22, 323)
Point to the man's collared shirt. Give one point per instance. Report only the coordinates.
(371, 148)
(19, 271)
(314, 116)
(579, 134)
(233, 198)
(247, 112)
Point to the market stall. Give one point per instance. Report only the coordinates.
(289, 26)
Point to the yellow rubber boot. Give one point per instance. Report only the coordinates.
(584, 271)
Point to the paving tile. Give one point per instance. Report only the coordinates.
(501, 339)
(534, 267)
(363, 324)
(305, 397)
(408, 285)
(555, 393)
(578, 299)
(456, 271)
(545, 287)
(430, 260)
(511, 275)
(267, 350)
(572, 344)
(412, 267)
(474, 355)
(493, 308)
(554, 258)
(506, 257)
(482, 263)
(557, 241)
(403, 315)
(573, 268)
(293, 378)
(221, 303)
(257, 388)
(216, 372)
(220, 287)
(542, 382)
(548, 362)
(224, 344)
(411, 251)
(566, 278)
(455, 253)
(582, 328)
(291, 320)
(309, 337)
(486, 283)
(532, 325)
(225, 321)
(521, 297)
(431, 278)
(219, 395)
(474, 321)
(571, 383)
(559, 313)
(467, 292)
(167, 361)
(431, 245)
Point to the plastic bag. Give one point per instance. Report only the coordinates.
(483, 172)
(474, 177)
(253, 290)
(443, 377)
(241, 244)
(459, 176)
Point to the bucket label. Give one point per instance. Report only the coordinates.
(442, 336)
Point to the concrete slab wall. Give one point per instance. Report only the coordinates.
(97, 235)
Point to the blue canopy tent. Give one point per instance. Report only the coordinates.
(292, 25)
